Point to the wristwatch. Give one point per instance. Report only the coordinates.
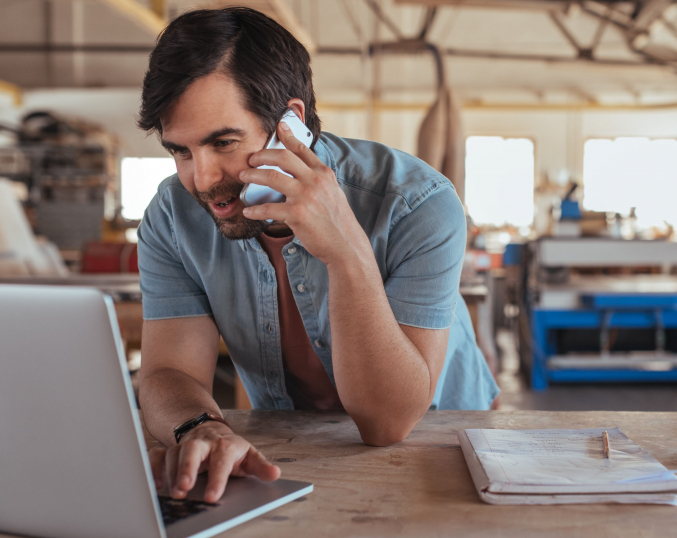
(184, 428)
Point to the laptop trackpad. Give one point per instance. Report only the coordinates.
(244, 499)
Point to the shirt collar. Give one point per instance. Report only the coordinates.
(324, 154)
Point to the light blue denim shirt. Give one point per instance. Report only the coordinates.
(417, 229)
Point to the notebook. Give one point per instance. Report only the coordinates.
(564, 467)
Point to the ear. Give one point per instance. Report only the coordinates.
(297, 106)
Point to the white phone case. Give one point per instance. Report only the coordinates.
(253, 194)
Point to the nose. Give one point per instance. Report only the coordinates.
(207, 171)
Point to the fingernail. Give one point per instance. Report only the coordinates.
(185, 481)
(242, 173)
(284, 126)
(246, 211)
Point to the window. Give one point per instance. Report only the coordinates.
(624, 173)
(499, 180)
(140, 178)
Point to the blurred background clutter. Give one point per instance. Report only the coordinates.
(556, 121)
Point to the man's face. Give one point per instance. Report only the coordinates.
(211, 137)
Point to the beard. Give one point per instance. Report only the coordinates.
(237, 226)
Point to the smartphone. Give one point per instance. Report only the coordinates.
(253, 194)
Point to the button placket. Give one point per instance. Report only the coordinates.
(271, 346)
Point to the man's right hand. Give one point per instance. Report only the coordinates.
(211, 447)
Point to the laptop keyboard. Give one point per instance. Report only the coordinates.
(174, 510)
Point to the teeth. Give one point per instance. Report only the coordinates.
(226, 203)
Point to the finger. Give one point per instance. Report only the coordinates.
(275, 212)
(191, 455)
(156, 456)
(221, 462)
(171, 465)
(284, 159)
(270, 178)
(297, 147)
(256, 464)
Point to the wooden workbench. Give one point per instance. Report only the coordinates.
(421, 487)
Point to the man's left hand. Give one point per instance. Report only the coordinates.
(316, 209)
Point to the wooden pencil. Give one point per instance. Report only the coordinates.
(607, 447)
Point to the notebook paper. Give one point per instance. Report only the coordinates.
(565, 462)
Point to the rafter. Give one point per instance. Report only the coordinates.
(384, 18)
(650, 11)
(279, 10)
(287, 18)
(597, 38)
(159, 7)
(357, 29)
(428, 19)
(554, 16)
(671, 26)
(140, 15)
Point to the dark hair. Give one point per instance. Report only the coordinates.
(264, 60)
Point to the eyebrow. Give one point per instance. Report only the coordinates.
(211, 137)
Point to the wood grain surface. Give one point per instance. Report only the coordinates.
(421, 487)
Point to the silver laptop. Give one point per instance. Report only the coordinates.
(72, 456)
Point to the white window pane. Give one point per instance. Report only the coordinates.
(632, 172)
(499, 180)
(140, 178)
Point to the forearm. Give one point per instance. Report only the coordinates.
(168, 398)
(382, 379)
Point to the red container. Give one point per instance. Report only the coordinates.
(110, 258)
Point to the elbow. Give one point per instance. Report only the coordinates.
(382, 440)
(378, 435)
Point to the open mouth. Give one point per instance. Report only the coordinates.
(225, 203)
(223, 207)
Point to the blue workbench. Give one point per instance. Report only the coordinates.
(610, 310)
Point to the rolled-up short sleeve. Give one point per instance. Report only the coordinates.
(168, 290)
(424, 261)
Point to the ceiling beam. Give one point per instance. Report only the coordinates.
(546, 5)
(381, 16)
(478, 104)
(140, 15)
(650, 11)
(428, 19)
(554, 16)
(75, 47)
(278, 10)
(397, 47)
(159, 7)
(287, 18)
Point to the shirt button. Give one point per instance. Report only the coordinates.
(318, 343)
(291, 250)
(301, 288)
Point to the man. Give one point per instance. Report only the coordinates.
(343, 296)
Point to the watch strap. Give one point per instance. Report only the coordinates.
(187, 426)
